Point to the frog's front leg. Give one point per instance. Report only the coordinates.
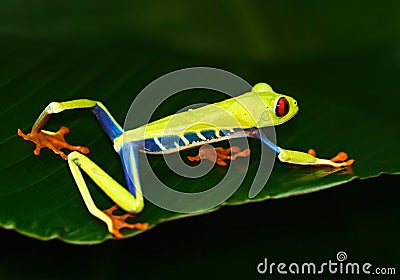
(219, 155)
(295, 157)
(340, 157)
(301, 158)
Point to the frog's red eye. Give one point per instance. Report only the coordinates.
(282, 107)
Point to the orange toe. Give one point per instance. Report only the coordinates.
(119, 222)
(312, 152)
(342, 156)
(53, 141)
(350, 162)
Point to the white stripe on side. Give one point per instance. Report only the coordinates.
(159, 144)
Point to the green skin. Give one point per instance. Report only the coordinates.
(255, 109)
(252, 109)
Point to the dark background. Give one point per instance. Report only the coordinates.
(356, 218)
(360, 218)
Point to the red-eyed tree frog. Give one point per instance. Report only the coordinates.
(242, 116)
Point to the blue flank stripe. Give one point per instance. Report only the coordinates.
(181, 143)
(151, 146)
(192, 137)
(224, 132)
(209, 134)
(169, 141)
(110, 127)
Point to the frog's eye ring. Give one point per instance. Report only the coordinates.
(282, 107)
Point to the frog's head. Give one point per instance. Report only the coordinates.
(279, 108)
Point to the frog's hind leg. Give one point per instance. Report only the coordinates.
(122, 197)
(110, 126)
(55, 140)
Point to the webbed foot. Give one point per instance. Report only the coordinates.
(340, 160)
(118, 222)
(219, 154)
(52, 140)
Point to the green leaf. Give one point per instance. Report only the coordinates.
(339, 111)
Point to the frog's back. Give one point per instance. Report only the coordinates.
(210, 123)
(224, 115)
